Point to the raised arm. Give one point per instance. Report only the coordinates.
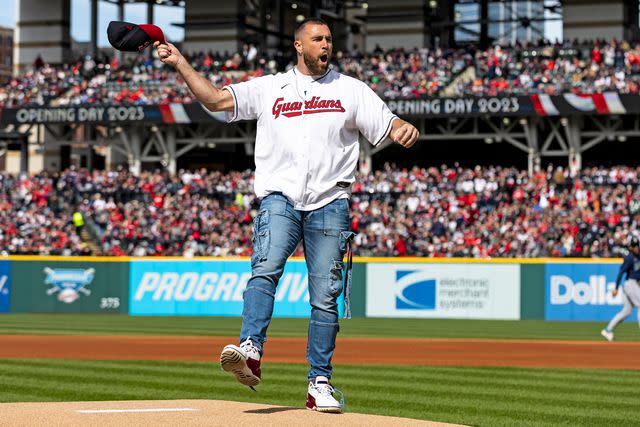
(211, 97)
(627, 264)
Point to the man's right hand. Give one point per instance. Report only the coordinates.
(614, 293)
(168, 53)
(211, 97)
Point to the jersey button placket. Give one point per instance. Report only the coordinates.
(304, 156)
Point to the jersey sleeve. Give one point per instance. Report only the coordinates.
(373, 117)
(627, 264)
(247, 98)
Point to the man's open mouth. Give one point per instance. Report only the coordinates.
(324, 58)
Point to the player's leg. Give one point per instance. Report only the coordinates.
(325, 235)
(632, 289)
(276, 233)
(626, 311)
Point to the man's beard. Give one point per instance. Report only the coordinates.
(313, 64)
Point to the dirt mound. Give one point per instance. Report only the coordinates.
(184, 413)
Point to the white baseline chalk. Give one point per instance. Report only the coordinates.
(114, 411)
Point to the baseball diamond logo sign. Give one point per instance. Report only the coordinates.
(68, 283)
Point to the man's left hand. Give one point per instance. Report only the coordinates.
(404, 133)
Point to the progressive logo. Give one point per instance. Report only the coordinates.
(415, 290)
(212, 286)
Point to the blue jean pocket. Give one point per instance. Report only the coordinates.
(261, 237)
(335, 217)
(345, 236)
(335, 278)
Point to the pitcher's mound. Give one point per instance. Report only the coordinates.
(184, 413)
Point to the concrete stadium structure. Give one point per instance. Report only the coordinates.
(43, 29)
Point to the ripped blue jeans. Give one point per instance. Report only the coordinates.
(325, 234)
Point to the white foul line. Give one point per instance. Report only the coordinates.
(112, 411)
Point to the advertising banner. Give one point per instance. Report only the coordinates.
(69, 286)
(165, 113)
(5, 286)
(524, 105)
(211, 288)
(581, 291)
(469, 291)
(520, 105)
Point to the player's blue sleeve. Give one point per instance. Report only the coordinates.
(624, 268)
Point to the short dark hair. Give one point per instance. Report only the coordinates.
(304, 23)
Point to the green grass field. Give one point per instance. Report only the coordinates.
(484, 396)
(475, 396)
(90, 324)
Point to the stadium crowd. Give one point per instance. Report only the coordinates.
(550, 68)
(435, 212)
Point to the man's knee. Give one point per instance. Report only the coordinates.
(626, 311)
(328, 324)
(324, 292)
(271, 266)
(261, 287)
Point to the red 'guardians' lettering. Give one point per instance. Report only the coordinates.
(312, 106)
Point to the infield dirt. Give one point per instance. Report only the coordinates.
(361, 351)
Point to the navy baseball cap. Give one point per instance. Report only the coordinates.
(130, 37)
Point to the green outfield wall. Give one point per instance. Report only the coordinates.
(550, 289)
(359, 290)
(64, 286)
(532, 291)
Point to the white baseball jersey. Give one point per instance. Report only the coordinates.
(307, 132)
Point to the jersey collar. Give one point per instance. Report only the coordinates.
(296, 73)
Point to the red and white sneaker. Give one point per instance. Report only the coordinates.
(320, 396)
(243, 362)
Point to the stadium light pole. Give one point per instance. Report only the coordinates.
(24, 155)
(150, 11)
(484, 24)
(263, 24)
(94, 29)
(120, 18)
(150, 21)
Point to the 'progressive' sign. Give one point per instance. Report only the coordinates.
(211, 288)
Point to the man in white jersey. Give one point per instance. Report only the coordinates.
(306, 154)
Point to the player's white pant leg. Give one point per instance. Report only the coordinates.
(632, 290)
(626, 311)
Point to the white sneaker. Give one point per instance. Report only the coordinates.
(320, 396)
(243, 362)
(608, 335)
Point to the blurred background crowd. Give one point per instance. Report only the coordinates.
(570, 66)
(445, 211)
